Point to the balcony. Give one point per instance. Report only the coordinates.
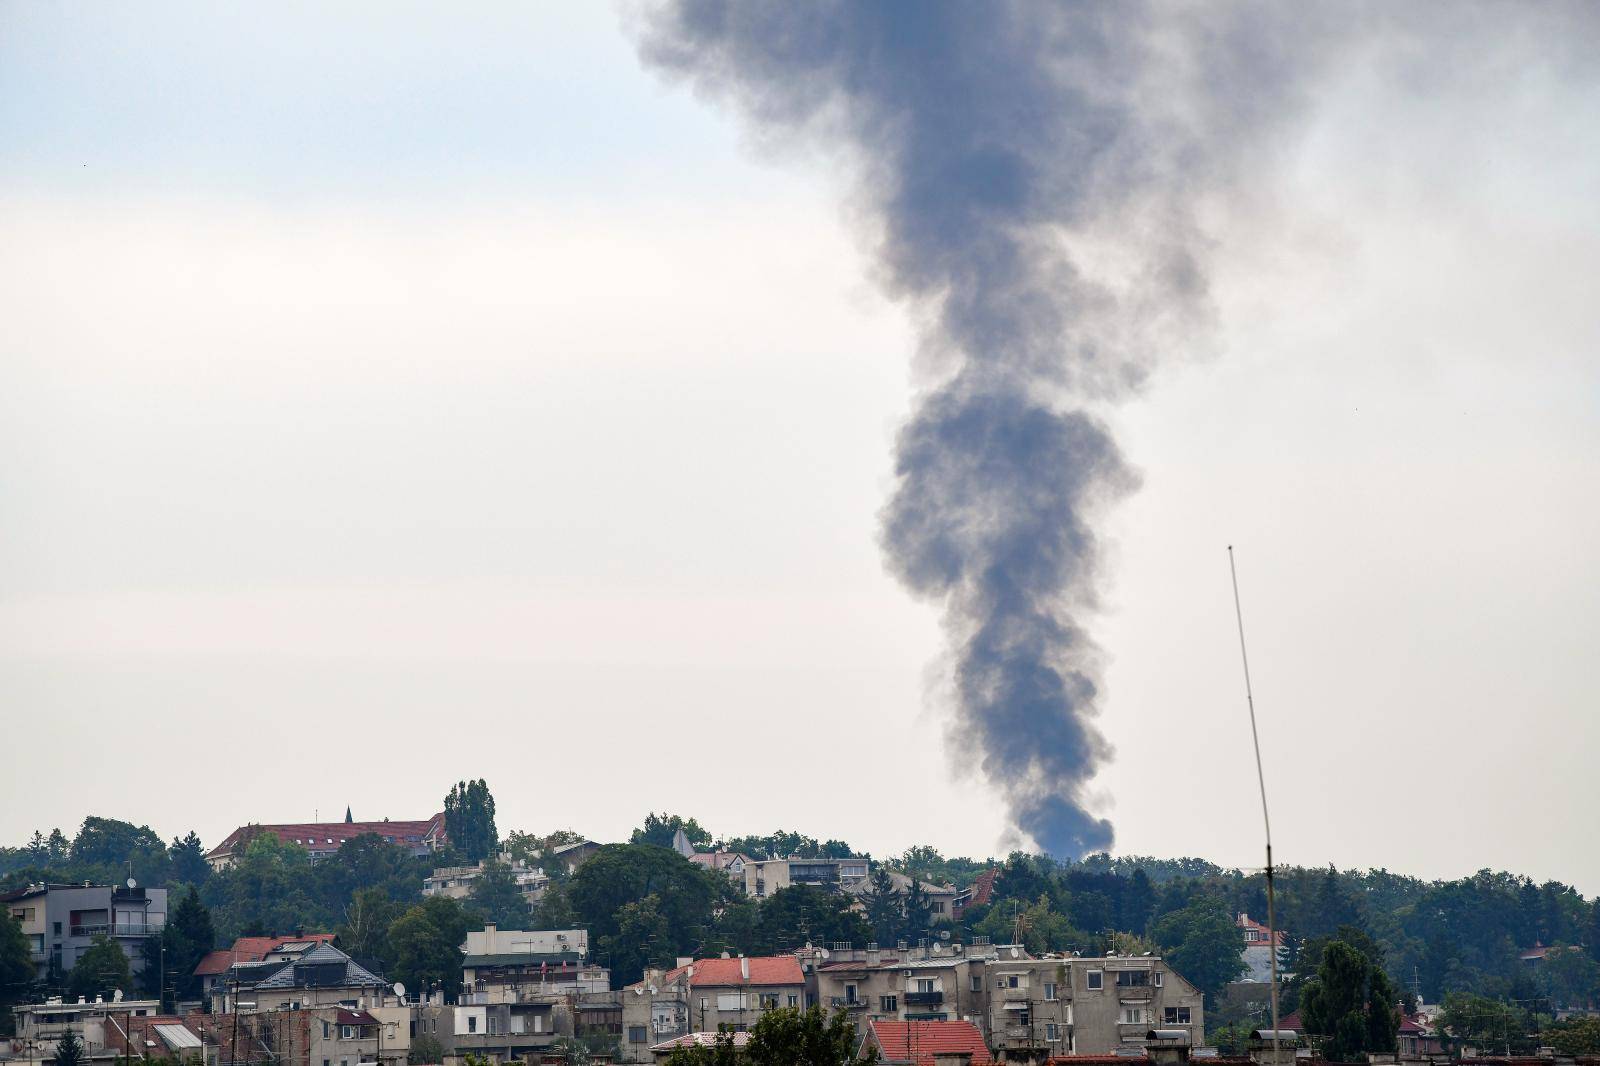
(842, 1003)
(924, 999)
(1140, 992)
(131, 929)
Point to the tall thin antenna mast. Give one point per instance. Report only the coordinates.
(1266, 820)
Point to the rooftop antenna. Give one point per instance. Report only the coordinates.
(1261, 779)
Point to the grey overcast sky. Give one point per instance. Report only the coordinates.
(397, 393)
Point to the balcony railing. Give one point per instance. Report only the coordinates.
(1136, 991)
(128, 929)
(924, 999)
(847, 1004)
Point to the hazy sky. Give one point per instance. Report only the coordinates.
(392, 394)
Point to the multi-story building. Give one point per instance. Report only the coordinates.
(1085, 1006)
(505, 965)
(40, 1026)
(1259, 944)
(321, 839)
(318, 975)
(456, 881)
(925, 982)
(764, 877)
(941, 898)
(62, 921)
(704, 995)
(214, 966)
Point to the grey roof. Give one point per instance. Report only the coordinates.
(355, 974)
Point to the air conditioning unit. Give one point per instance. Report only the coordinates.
(905, 973)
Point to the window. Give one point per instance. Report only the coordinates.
(977, 983)
(938, 906)
(1051, 1033)
(730, 1001)
(1133, 978)
(325, 1030)
(58, 928)
(1011, 982)
(1049, 990)
(347, 1032)
(1175, 1015)
(794, 1000)
(888, 1004)
(494, 1027)
(769, 1000)
(925, 985)
(849, 993)
(1155, 978)
(1022, 1017)
(1097, 979)
(1133, 1016)
(472, 1024)
(636, 1034)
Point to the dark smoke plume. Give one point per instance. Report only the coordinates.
(1030, 176)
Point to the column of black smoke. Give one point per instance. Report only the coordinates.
(984, 137)
(1030, 174)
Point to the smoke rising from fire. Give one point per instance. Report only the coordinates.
(1031, 178)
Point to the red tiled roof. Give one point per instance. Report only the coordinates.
(721, 973)
(920, 1041)
(1244, 921)
(983, 887)
(356, 1017)
(320, 833)
(701, 1040)
(1291, 1021)
(252, 949)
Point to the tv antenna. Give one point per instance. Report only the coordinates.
(1266, 820)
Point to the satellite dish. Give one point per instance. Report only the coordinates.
(937, 948)
(823, 952)
(1016, 953)
(400, 990)
(132, 883)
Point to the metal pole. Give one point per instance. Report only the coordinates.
(1261, 779)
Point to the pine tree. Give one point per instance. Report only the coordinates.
(884, 911)
(69, 1050)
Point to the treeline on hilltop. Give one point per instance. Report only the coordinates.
(644, 905)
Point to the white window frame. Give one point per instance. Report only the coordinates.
(1095, 980)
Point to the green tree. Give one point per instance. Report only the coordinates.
(619, 874)
(425, 1050)
(1351, 1004)
(101, 970)
(885, 911)
(364, 933)
(188, 860)
(498, 898)
(469, 820)
(555, 908)
(800, 914)
(425, 944)
(659, 829)
(1467, 1019)
(16, 968)
(170, 959)
(115, 846)
(1038, 927)
(1575, 1036)
(642, 939)
(69, 1050)
(265, 892)
(788, 1035)
(918, 912)
(1203, 944)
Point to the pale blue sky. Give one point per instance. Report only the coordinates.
(392, 394)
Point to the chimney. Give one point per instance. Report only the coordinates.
(744, 968)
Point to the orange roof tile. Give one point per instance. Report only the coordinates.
(252, 949)
(764, 970)
(920, 1041)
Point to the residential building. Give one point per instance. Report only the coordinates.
(926, 1043)
(764, 877)
(977, 894)
(521, 1028)
(62, 921)
(731, 863)
(704, 995)
(456, 881)
(941, 898)
(214, 966)
(507, 965)
(661, 1051)
(39, 1026)
(575, 854)
(321, 839)
(154, 1037)
(1086, 1006)
(1259, 944)
(320, 975)
(925, 982)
